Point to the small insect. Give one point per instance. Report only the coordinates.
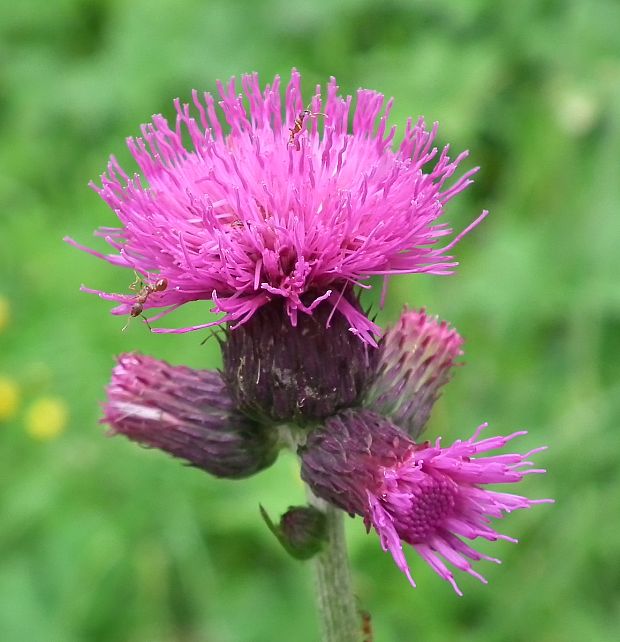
(299, 124)
(366, 625)
(146, 289)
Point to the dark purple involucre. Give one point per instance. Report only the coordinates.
(277, 372)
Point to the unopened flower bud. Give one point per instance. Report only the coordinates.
(186, 413)
(280, 372)
(414, 360)
(301, 531)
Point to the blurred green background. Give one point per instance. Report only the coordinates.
(104, 541)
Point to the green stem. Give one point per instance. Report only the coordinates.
(335, 600)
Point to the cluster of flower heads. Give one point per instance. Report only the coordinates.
(285, 213)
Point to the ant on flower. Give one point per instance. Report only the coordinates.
(298, 125)
(366, 626)
(145, 290)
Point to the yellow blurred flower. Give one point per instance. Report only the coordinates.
(9, 398)
(46, 418)
(4, 313)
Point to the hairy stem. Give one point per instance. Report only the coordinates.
(335, 600)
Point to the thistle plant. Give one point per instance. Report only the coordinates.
(280, 214)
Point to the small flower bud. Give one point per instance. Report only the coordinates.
(186, 413)
(305, 372)
(301, 531)
(414, 361)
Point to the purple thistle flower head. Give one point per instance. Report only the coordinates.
(284, 203)
(414, 361)
(422, 494)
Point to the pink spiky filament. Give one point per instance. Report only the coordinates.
(242, 216)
